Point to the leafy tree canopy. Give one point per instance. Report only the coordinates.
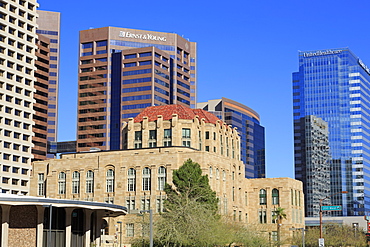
(190, 185)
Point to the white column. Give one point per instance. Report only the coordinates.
(68, 226)
(5, 225)
(87, 227)
(40, 225)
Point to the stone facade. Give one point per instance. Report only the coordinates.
(135, 177)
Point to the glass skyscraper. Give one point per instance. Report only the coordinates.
(332, 88)
(252, 133)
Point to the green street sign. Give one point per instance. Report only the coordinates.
(331, 208)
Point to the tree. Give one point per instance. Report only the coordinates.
(334, 235)
(279, 215)
(191, 210)
(189, 184)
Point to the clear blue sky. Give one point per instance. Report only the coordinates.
(247, 51)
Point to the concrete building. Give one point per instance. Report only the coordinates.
(17, 67)
(121, 72)
(159, 140)
(49, 26)
(37, 222)
(333, 85)
(312, 162)
(252, 133)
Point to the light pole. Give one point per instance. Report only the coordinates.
(294, 229)
(120, 233)
(341, 192)
(150, 224)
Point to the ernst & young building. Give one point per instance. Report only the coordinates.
(121, 72)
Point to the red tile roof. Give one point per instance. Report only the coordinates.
(166, 111)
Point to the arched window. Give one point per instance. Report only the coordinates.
(75, 182)
(131, 180)
(210, 171)
(146, 178)
(263, 199)
(110, 180)
(217, 174)
(62, 183)
(224, 175)
(89, 181)
(161, 177)
(275, 196)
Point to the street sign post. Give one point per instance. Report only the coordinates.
(321, 242)
(331, 208)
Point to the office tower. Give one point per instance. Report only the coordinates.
(121, 72)
(312, 161)
(17, 67)
(40, 106)
(333, 85)
(251, 132)
(49, 26)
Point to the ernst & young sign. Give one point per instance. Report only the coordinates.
(146, 36)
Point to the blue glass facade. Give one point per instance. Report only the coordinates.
(334, 85)
(252, 134)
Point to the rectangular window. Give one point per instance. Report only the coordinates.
(87, 45)
(167, 141)
(130, 230)
(186, 137)
(145, 54)
(130, 56)
(40, 184)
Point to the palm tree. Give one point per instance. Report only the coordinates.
(279, 215)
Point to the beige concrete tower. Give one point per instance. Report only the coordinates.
(17, 66)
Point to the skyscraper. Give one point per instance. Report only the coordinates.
(121, 72)
(17, 66)
(333, 87)
(252, 141)
(49, 26)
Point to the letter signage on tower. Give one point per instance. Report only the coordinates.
(125, 34)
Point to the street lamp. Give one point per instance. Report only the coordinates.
(150, 224)
(302, 229)
(341, 192)
(120, 233)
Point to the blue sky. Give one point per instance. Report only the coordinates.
(247, 51)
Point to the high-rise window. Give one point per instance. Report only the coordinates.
(146, 178)
(110, 180)
(62, 183)
(75, 182)
(161, 177)
(131, 180)
(89, 181)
